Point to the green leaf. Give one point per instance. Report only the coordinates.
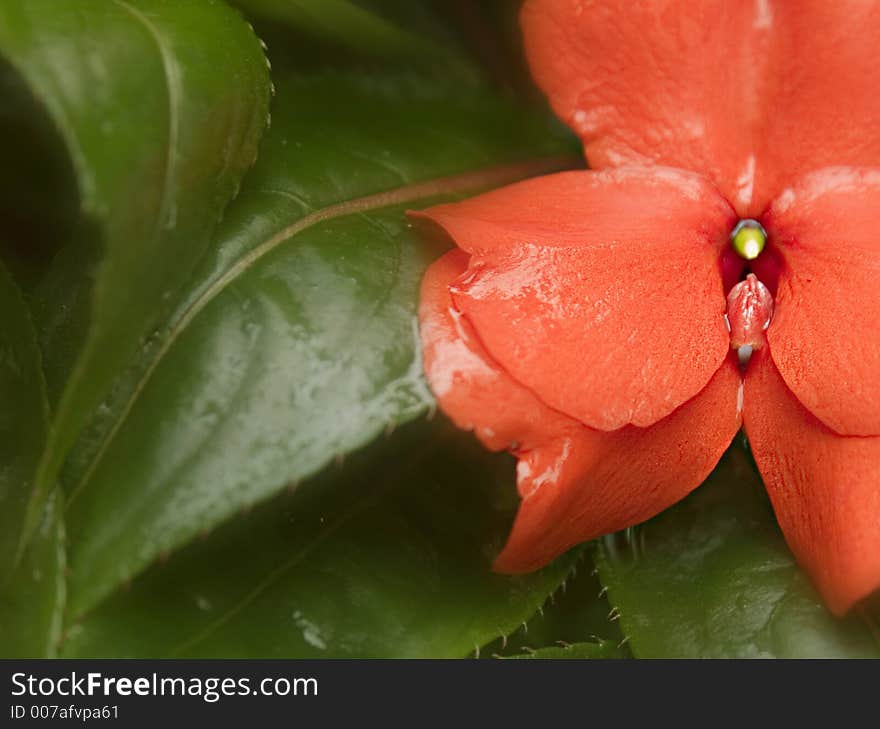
(712, 577)
(31, 595)
(161, 106)
(296, 340)
(599, 649)
(576, 614)
(390, 556)
(23, 415)
(352, 26)
(32, 601)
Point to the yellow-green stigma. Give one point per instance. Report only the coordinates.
(748, 239)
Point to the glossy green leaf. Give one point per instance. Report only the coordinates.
(296, 341)
(160, 106)
(388, 556)
(712, 577)
(24, 416)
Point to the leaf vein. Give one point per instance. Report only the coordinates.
(168, 209)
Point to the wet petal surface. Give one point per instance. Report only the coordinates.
(599, 292)
(576, 482)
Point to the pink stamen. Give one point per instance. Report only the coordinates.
(749, 311)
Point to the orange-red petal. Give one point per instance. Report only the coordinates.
(750, 94)
(576, 483)
(825, 487)
(470, 388)
(824, 334)
(587, 483)
(600, 292)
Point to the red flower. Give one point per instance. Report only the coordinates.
(588, 321)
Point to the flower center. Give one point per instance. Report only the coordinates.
(748, 239)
